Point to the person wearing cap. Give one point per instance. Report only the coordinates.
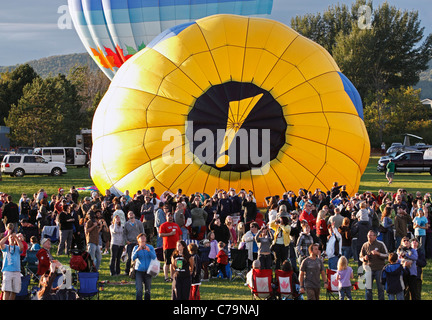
(44, 256)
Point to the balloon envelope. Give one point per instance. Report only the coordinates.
(113, 30)
(229, 102)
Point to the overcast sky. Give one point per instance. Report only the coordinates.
(29, 29)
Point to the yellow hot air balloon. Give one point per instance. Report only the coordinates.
(229, 102)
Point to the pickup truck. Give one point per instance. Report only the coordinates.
(411, 161)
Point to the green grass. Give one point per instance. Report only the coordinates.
(215, 289)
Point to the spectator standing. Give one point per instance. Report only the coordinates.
(392, 278)
(281, 240)
(264, 239)
(117, 244)
(390, 170)
(304, 241)
(408, 257)
(11, 281)
(10, 213)
(344, 275)
(92, 228)
(310, 270)
(400, 225)
(66, 224)
(133, 227)
(147, 217)
(373, 255)
(160, 217)
(142, 254)
(182, 265)
(420, 224)
(170, 233)
(195, 273)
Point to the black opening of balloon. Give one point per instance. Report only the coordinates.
(236, 126)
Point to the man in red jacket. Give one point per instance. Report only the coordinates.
(309, 217)
(44, 257)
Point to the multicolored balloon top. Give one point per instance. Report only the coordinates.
(114, 30)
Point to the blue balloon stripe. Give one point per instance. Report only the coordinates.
(169, 33)
(182, 10)
(353, 94)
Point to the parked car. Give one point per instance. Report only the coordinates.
(411, 161)
(19, 165)
(72, 156)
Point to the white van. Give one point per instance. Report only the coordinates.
(71, 156)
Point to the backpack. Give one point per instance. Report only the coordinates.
(78, 263)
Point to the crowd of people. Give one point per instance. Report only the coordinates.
(387, 234)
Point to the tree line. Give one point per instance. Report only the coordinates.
(49, 111)
(382, 51)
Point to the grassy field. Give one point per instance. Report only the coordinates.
(123, 288)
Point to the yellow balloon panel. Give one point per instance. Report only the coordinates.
(229, 31)
(132, 153)
(273, 37)
(258, 64)
(204, 75)
(309, 126)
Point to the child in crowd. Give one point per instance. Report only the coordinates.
(213, 246)
(392, 278)
(35, 246)
(196, 272)
(204, 250)
(222, 259)
(344, 275)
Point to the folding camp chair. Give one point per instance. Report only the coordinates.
(88, 285)
(284, 284)
(261, 286)
(24, 294)
(239, 264)
(332, 291)
(30, 264)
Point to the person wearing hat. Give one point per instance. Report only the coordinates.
(44, 256)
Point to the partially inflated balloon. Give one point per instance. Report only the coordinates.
(229, 102)
(113, 30)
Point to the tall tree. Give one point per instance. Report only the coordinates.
(390, 52)
(48, 113)
(12, 84)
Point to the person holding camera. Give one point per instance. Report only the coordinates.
(91, 229)
(373, 254)
(281, 240)
(264, 239)
(11, 282)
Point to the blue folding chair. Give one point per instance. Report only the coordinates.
(88, 285)
(24, 294)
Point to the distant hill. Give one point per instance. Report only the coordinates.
(425, 83)
(58, 64)
(63, 63)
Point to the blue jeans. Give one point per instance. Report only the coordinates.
(140, 278)
(376, 275)
(397, 296)
(345, 292)
(332, 262)
(347, 252)
(95, 253)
